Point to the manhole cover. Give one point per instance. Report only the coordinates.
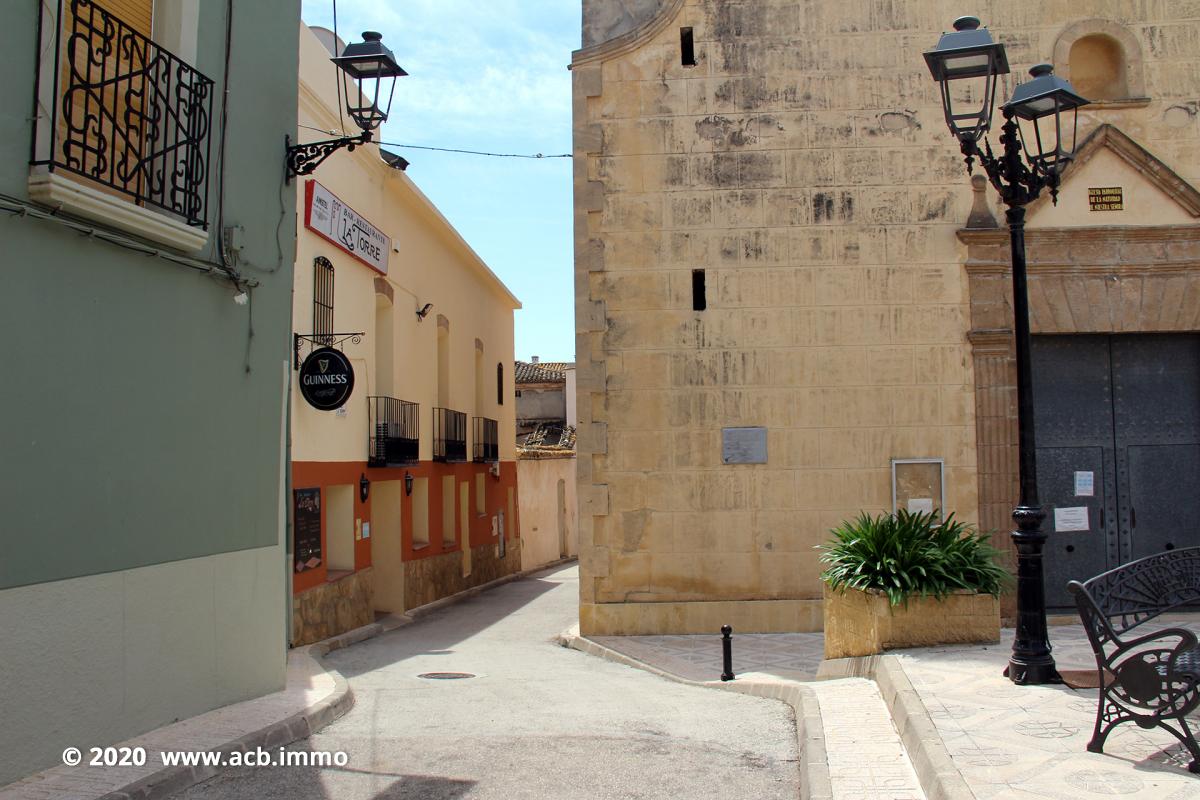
(445, 676)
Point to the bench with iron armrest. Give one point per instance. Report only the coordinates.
(1153, 678)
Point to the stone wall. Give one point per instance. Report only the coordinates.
(430, 579)
(333, 608)
(804, 166)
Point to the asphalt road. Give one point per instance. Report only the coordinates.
(537, 721)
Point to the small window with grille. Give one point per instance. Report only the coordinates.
(323, 301)
(499, 384)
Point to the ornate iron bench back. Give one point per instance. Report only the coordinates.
(1133, 593)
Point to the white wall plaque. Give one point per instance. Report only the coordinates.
(1067, 520)
(1085, 484)
(744, 445)
(326, 215)
(920, 505)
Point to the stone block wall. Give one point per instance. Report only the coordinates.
(333, 608)
(804, 166)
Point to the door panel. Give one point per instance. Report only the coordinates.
(1164, 488)
(1074, 555)
(1073, 420)
(1156, 408)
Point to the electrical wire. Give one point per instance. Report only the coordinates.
(535, 156)
(21, 208)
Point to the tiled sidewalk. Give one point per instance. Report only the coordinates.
(1006, 741)
(1031, 741)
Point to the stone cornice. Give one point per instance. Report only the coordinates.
(1109, 234)
(628, 41)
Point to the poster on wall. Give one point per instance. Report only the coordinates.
(306, 529)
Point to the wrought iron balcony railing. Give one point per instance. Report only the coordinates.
(487, 440)
(449, 435)
(123, 113)
(394, 438)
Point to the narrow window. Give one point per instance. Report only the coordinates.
(499, 384)
(699, 301)
(323, 300)
(687, 47)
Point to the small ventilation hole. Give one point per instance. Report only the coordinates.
(687, 47)
(699, 300)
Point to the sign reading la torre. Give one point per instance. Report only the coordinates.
(331, 219)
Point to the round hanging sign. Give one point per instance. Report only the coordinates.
(326, 379)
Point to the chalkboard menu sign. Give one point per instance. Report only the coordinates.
(307, 529)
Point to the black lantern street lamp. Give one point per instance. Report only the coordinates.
(1031, 160)
(369, 72)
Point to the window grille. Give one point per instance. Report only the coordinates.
(323, 301)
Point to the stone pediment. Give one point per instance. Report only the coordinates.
(1114, 181)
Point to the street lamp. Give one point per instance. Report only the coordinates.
(1032, 159)
(369, 72)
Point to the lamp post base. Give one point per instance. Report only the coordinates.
(1031, 662)
(1036, 673)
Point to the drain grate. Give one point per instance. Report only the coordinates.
(445, 676)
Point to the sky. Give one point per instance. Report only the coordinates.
(488, 76)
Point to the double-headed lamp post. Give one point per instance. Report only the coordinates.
(967, 63)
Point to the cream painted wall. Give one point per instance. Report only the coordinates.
(134, 650)
(430, 263)
(804, 164)
(1145, 203)
(538, 479)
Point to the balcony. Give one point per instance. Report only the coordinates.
(122, 132)
(449, 435)
(394, 438)
(487, 440)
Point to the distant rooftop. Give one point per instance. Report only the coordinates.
(542, 371)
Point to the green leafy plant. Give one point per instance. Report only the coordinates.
(905, 554)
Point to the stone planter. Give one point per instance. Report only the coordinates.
(864, 623)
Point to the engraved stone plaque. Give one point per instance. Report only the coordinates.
(744, 445)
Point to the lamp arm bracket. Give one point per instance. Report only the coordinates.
(303, 159)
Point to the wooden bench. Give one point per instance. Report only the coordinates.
(1150, 679)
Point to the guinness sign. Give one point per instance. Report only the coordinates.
(326, 379)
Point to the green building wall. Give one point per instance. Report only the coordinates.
(142, 555)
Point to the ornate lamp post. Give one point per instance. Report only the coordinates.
(369, 72)
(967, 63)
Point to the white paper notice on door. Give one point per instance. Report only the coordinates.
(1067, 520)
(1085, 484)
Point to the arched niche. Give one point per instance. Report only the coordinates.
(1103, 61)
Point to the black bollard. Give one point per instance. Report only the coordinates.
(727, 652)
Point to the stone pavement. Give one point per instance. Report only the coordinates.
(971, 733)
(534, 721)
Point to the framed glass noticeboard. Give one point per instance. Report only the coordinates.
(919, 485)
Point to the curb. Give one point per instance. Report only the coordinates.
(301, 725)
(810, 733)
(936, 771)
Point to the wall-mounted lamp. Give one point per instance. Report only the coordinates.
(364, 488)
(369, 71)
(424, 311)
(408, 482)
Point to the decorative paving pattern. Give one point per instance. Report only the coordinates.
(698, 658)
(1031, 741)
(867, 761)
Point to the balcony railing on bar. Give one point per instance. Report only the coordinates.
(120, 111)
(487, 440)
(449, 435)
(394, 438)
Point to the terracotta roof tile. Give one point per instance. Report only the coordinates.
(542, 372)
